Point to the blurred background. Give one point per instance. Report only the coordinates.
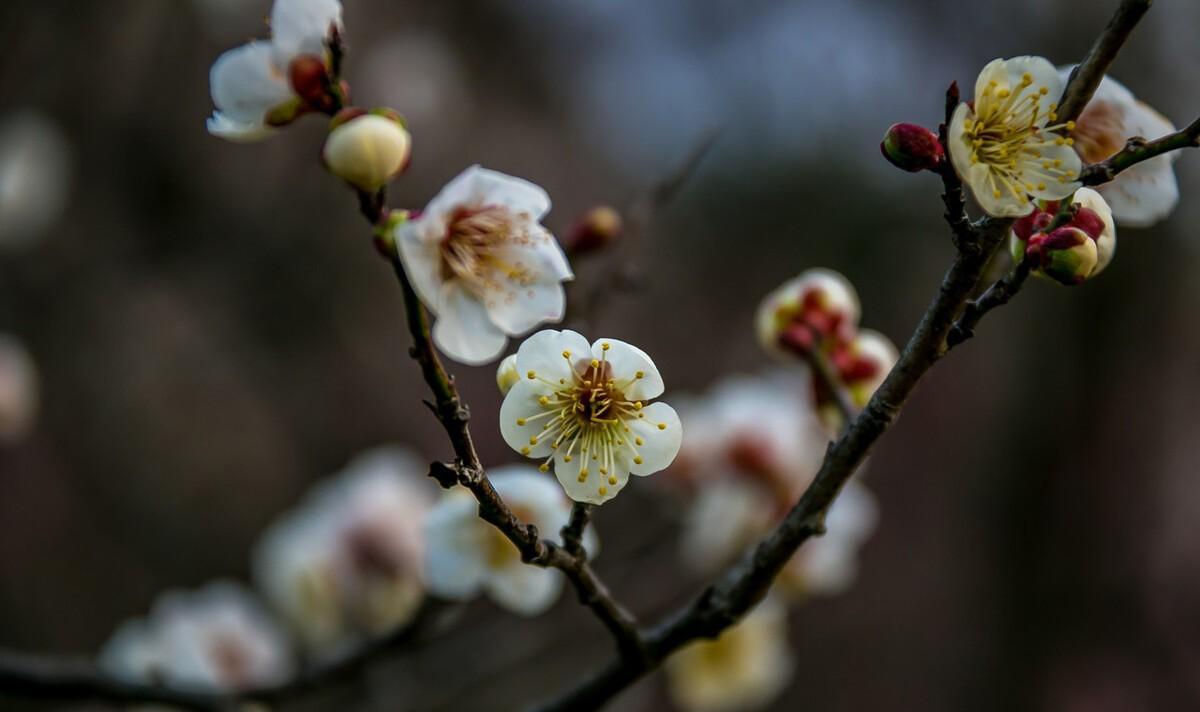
(213, 332)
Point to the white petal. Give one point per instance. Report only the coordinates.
(1034, 172)
(245, 84)
(1144, 194)
(627, 362)
(224, 127)
(419, 244)
(589, 490)
(521, 404)
(463, 191)
(661, 434)
(984, 188)
(543, 353)
(1041, 71)
(525, 590)
(463, 330)
(960, 146)
(517, 194)
(993, 71)
(520, 305)
(455, 565)
(302, 26)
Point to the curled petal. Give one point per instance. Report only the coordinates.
(246, 85)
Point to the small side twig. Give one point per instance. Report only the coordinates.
(997, 295)
(1139, 149)
(572, 533)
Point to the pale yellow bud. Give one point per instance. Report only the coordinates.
(506, 375)
(367, 151)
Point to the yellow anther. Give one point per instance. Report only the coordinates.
(995, 193)
(525, 450)
(544, 400)
(1070, 141)
(566, 458)
(1026, 79)
(637, 405)
(606, 346)
(583, 473)
(595, 363)
(1043, 90)
(1041, 186)
(521, 421)
(531, 375)
(1070, 125)
(637, 460)
(612, 480)
(566, 354)
(640, 374)
(543, 467)
(602, 491)
(582, 478)
(662, 426)
(638, 441)
(533, 440)
(1003, 93)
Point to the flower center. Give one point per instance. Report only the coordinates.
(587, 419)
(1101, 131)
(1007, 134)
(474, 248)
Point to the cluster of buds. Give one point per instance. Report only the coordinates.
(1068, 243)
(817, 313)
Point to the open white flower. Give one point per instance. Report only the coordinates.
(467, 555)
(1006, 148)
(348, 563)
(252, 85)
(483, 264)
(743, 669)
(586, 408)
(1147, 192)
(217, 639)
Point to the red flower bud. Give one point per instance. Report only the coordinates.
(596, 229)
(912, 148)
(309, 78)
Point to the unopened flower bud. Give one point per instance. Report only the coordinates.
(819, 305)
(912, 148)
(506, 375)
(1077, 249)
(367, 151)
(596, 229)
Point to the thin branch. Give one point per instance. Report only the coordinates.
(823, 370)
(997, 295)
(1086, 77)
(572, 533)
(1139, 149)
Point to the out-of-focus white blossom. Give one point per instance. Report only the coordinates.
(1006, 146)
(507, 375)
(817, 305)
(34, 177)
(368, 150)
(467, 555)
(1142, 194)
(744, 669)
(348, 562)
(751, 449)
(483, 264)
(587, 408)
(255, 86)
(864, 363)
(218, 638)
(18, 390)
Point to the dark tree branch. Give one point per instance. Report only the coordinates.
(997, 295)
(1139, 149)
(572, 533)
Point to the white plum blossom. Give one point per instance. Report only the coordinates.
(217, 639)
(252, 86)
(35, 172)
(818, 304)
(586, 408)
(1146, 192)
(483, 264)
(348, 563)
(18, 390)
(1006, 147)
(751, 449)
(467, 555)
(745, 668)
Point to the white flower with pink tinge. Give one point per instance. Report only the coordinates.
(480, 260)
(586, 408)
(216, 639)
(1144, 193)
(467, 555)
(348, 563)
(254, 81)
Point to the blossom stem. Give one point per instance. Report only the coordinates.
(818, 361)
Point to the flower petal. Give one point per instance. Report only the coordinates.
(628, 361)
(302, 27)
(543, 353)
(960, 146)
(222, 126)
(523, 589)
(520, 196)
(245, 85)
(463, 330)
(596, 487)
(521, 406)
(1144, 194)
(455, 565)
(661, 434)
(1048, 186)
(530, 292)
(419, 243)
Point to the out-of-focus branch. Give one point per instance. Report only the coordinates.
(824, 371)
(1139, 149)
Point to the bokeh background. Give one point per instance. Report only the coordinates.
(214, 333)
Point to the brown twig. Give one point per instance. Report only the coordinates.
(1139, 149)
(997, 295)
(1087, 75)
